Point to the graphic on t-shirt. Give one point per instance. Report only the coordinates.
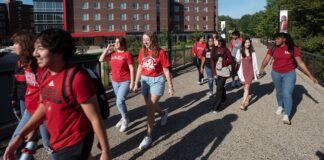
(117, 57)
(52, 95)
(51, 84)
(31, 79)
(148, 63)
(208, 54)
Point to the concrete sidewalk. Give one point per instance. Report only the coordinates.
(193, 132)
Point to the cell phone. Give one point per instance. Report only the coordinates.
(260, 75)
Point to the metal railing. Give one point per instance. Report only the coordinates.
(179, 58)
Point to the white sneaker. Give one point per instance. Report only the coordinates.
(146, 142)
(198, 83)
(119, 123)
(279, 110)
(164, 118)
(209, 94)
(124, 124)
(286, 120)
(202, 80)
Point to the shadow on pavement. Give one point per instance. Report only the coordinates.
(298, 93)
(175, 122)
(320, 155)
(193, 145)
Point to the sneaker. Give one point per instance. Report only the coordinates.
(202, 80)
(119, 123)
(279, 110)
(286, 120)
(146, 142)
(238, 83)
(164, 118)
(198, 83)
(124, 124)
(233, 84)
(209, 94)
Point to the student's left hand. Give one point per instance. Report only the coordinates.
(12, 147)
(105, 156)
(171, 91)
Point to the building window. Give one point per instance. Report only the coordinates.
(136, 27)
(146, 27)
(205, 18)
(146, 17)
(186, 9)
(177, 18)
(176, 9)
(205, 1)
(186, 27)
(123, 16)
(135, 6)
(205, 27)
(196, 27)
(176, 1)
(196, 1)
(123, 27)
(187, 18)
(205, 10)
(146, 6)
(186, 1)
(123, 5)
(196, 18)
(135, 17)
(85, 5)
(196, 9)
(110, 5)
(97, 17)
(111, 27)
(177, 27)
(96, 5)
(85, 28)
(97, 28)
(85, 17)
(110, 16)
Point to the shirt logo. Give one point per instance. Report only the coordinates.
(117, 57)
(31, 79)
(148, 63)
(51, 84)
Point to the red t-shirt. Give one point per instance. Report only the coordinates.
(67, 124)
(119, 62)
(198, 49)
(32, 90)
(283, 61)
(151, 66)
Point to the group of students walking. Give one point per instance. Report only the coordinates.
(240, 60)
(68, 127)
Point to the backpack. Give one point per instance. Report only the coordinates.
(292, 55)
(101, 93)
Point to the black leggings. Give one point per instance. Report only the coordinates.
(220, 92)
(197, 63)
(79, 151)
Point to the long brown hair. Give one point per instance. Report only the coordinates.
(25, 39)
(154, 44)
(251, 49)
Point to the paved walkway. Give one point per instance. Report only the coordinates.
(193, 132)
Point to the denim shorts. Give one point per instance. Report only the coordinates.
(153, 85)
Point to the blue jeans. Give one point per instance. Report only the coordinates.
(121, 90)
(22, 107)
(42, 129)
(211, 78)
(284, 84)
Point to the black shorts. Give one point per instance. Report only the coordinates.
(79, 151)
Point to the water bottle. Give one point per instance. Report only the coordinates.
(28, 151)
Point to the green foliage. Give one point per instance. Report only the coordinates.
(133, 45)
(163, 38)
(312, 44)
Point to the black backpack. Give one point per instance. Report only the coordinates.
(101, 92)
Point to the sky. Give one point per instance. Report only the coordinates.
(238, 8)
(233, 8)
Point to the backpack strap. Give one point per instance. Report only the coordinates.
(68, 83)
